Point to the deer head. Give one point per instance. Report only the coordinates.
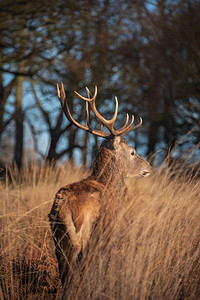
(114, 151)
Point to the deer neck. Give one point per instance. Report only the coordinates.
(108, 173)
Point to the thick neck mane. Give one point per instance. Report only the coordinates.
(107, 171)
(103, 166)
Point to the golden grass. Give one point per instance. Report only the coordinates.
(28, 267)
(150, 251)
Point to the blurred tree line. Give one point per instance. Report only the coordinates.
(145, 52)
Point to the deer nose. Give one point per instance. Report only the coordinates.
(148, 171)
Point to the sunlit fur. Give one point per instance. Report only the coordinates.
(77, 206)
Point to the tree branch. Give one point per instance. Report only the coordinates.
(44, 113)
(16, 73)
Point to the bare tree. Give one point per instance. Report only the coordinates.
(147, 49)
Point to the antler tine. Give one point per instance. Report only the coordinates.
(87, 115)
(87, 108)
(58, 90)
(65, 107)
(129, 128)
(108, 123)
(88, 92)
(125, 127)
(127, 119)
(61, 93)
(116, 111)
(88, 99)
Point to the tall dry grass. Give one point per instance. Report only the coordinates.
(149, 251)
(28, 267)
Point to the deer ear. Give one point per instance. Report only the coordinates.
(116, 142)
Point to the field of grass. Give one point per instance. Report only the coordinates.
(149, 251)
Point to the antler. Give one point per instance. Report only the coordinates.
(108, 123)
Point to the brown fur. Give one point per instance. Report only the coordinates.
(75, 209)
(77, 206)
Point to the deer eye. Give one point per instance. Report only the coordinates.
(132, 153)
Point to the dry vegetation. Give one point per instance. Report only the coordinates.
(28, 267)
(150, 251)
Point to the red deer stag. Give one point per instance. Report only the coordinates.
(76, 207)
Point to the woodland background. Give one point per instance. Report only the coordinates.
(145, 52)
(148, 54)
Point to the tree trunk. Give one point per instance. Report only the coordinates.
(72, 135)
(85, 147)
(19, 118)
(1, 105)
(152, 138)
